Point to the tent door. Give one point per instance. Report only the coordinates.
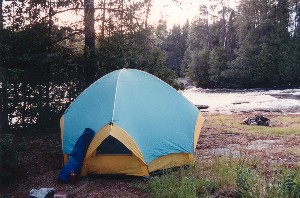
(112, 146)
(112, 157)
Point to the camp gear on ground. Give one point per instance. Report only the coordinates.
(258, 120)
(74, 164)
(41, 193)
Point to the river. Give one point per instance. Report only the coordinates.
(252, 100)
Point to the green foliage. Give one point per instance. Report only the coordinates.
(172, 184)
(251, 47)
(35, 76)
(174, 45)
(229, 177)
(133, 51)
(43, 67)
(199, 67)
(222, 172)
(49, 61)
(10, 158)
(285, 183)
(217, 65)
(248, 182)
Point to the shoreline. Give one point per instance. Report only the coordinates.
(249, 101)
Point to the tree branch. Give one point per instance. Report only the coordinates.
(70, 35)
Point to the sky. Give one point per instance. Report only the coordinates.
(178, 14)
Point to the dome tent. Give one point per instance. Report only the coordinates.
(141, 123)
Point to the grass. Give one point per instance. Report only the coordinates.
(281, 125)
(225, 177)
(293, 151)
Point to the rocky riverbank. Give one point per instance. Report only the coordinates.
(286, 101)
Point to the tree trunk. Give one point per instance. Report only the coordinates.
(3, 98)
(47, 98)
(89, 41)
(147, 13)
(295, 18)
(24, 101)
(122, 15)
(103, 19)
(48, 66)
(4, 124)
(1, 15)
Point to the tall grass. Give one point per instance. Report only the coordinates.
(225, 177)
(172, 184)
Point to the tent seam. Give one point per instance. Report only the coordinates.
(116, 90)
(85, 91)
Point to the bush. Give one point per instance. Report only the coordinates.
(10, 159)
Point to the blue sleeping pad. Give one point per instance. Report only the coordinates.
(76, 158)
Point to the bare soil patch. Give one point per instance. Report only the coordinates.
(42, 162)
(267, 149)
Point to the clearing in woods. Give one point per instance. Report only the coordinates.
(222, 135)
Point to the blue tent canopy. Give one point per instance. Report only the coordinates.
(159, 120)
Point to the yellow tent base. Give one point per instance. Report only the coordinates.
(171, 160)
(115, 164)
(130, 164)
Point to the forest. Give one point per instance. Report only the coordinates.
(45, 64)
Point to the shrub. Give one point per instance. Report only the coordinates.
(10, 159)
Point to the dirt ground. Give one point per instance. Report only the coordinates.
(42, 162)
(268, 150)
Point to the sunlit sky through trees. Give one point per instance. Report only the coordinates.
(173, 11)
(178, 13)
